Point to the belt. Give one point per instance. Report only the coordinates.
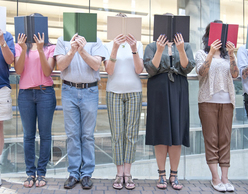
(38, 88)
(80, 85)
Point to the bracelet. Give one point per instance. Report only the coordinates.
(136, 52)
(111, 59)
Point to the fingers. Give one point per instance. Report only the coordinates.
(178, 38)
(74, 37)
(162, 39)
(21, 38)
(230, 45)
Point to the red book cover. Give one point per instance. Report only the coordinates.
(223, 32)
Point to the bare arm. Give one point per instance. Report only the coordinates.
(233, 65)
(19, 61)
(93, 61)
(215, 46)
(180, 47)
(110, 64)
(245, 73)
(138, 62)
(46, 65)
(161, 42)
(63, 61)
(7, 54)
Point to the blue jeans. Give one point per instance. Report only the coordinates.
(35, 104)
(80, 112)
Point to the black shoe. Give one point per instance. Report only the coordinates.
(86, 182)
(70, 182)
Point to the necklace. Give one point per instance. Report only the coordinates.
(123, 45)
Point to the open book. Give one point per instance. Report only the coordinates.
(223, 32)
(3, 19)
(85, 24)
(31, 25)
(170, 25)
(123, 25)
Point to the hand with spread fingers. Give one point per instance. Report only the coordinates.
(230, 46)
(132, 42)
(215, 46)
(118, 41)
(21, 39)
(74, 44)
(81, 41)
(161, 42)
(179, 41)
(39, 41)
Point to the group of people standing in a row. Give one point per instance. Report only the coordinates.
(167, 62)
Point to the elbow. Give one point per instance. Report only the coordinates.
(60, 67)
(11, 60)
(140, 70)
(18, 71)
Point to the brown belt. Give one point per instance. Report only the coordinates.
(37, 88)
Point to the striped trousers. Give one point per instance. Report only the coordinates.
(124, 117)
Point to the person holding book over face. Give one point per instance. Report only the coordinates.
(36, 101)
(7, 52)
(124, 102)
(216, 68)
(79, 62)
(168, 62)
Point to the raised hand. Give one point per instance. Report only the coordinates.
(161, 42)
(179, 41)
(21, 39)
(230, 46)
(215, 46)
(39, 41)
(132, 42)
(74, 44)
(81, 41)
(118, 41)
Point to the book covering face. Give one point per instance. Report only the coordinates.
(30, 25)
(3, 19)
(85, 24)
(124, 25)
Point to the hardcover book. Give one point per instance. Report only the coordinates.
(85, 24)
(123, 25)
(30, 25)
(3, 19)
(247, 39)
(223, 32)
(170, 25)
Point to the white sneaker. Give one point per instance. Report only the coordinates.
(229, 187)
(220, 187)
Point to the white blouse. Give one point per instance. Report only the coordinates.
(218, 78)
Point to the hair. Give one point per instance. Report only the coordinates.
(29, 45)
(223, 51)
(121, 15)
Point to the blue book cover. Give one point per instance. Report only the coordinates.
(31, 25)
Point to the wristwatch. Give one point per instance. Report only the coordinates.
(4, 44)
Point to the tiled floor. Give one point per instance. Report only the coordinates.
(104, 186)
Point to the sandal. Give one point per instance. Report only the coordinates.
(162, 181)
(175, 182)
(28, 180)
(118, 183)
(39, 180)
(129, 184)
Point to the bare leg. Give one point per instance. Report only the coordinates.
(224, 175)
(174, 155)
(214, 171)
(118, 183)
(161, 154)
(129, 184)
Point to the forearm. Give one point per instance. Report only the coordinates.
(93, 61)
(183, 59)
(245, 72)
(63, 61)
(46, 68)
(8, 55)
(20, 62)
(206, 65)
(233, 67)
(157, 58)
(138, 64)
(110, 65)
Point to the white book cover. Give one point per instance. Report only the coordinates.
(3, 19)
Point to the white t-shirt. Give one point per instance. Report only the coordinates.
(124, 79)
